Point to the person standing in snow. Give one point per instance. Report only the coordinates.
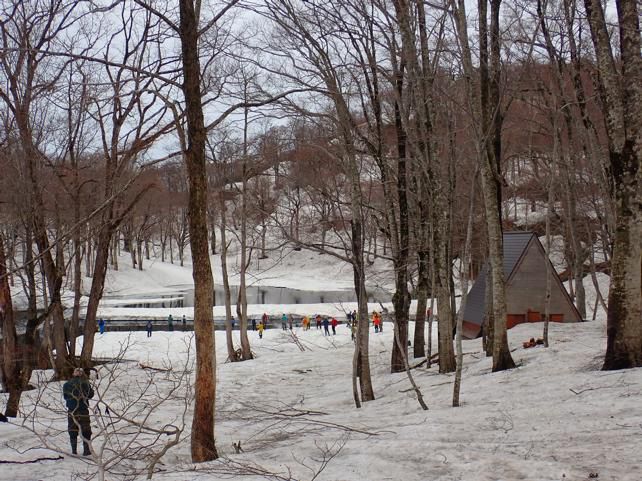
(184, 322)
(375, 321)
(233, 321)
(261, 327)
(170, 323)
(149, 328)
(380, 322)
(334, 323)
(353, 331)
(290, 321)
(253, 324)
(77, 392)
(101, 326)
(326, 324)
(265, 319)
(284, 322)
(306, 323)
(318, 318)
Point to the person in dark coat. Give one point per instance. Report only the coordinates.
(77, 393)
(254, 324)
(149, 328)
(170, 323)
(326, 324)
(101, 326)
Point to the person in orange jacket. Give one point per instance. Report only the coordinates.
(376, 321)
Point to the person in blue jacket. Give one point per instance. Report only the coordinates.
(77, 392)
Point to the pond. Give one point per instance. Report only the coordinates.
(255, 295)
(285, 295)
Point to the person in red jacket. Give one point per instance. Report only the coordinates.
(334, 323)
(376, 320)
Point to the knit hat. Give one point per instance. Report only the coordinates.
(79, 372)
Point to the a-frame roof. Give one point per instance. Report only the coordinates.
(515, 244)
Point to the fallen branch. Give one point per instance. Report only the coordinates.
(577, 393)
(419, 365)
(152, 368)
(37, 460)
(296, 341)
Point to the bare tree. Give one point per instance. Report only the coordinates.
(621, 94)
(485, 114)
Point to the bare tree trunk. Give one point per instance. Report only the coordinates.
(419, 348)
(9, 369)
(362, 351)
(212, 217)
(246, 351)
(622, 98)
(75, 312)
(231, 352)
(599, 298)
(88, 253)
(489, 159)
(549, 274)
(444, 325)
(171, 249)
(463, 282)
(401, 297)
(95, 294)
(203, 442)
(433, 288)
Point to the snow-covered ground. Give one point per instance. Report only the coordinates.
(555, 417)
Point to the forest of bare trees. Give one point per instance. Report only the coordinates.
(404, 131)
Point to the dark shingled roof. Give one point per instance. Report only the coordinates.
(515, 244)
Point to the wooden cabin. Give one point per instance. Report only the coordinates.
(525, 274)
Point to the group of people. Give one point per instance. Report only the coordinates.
(149, 326)
(324, 323)
(287, 322)
(353, 318)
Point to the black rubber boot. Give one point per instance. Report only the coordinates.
(85, 449)
(74, 443)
